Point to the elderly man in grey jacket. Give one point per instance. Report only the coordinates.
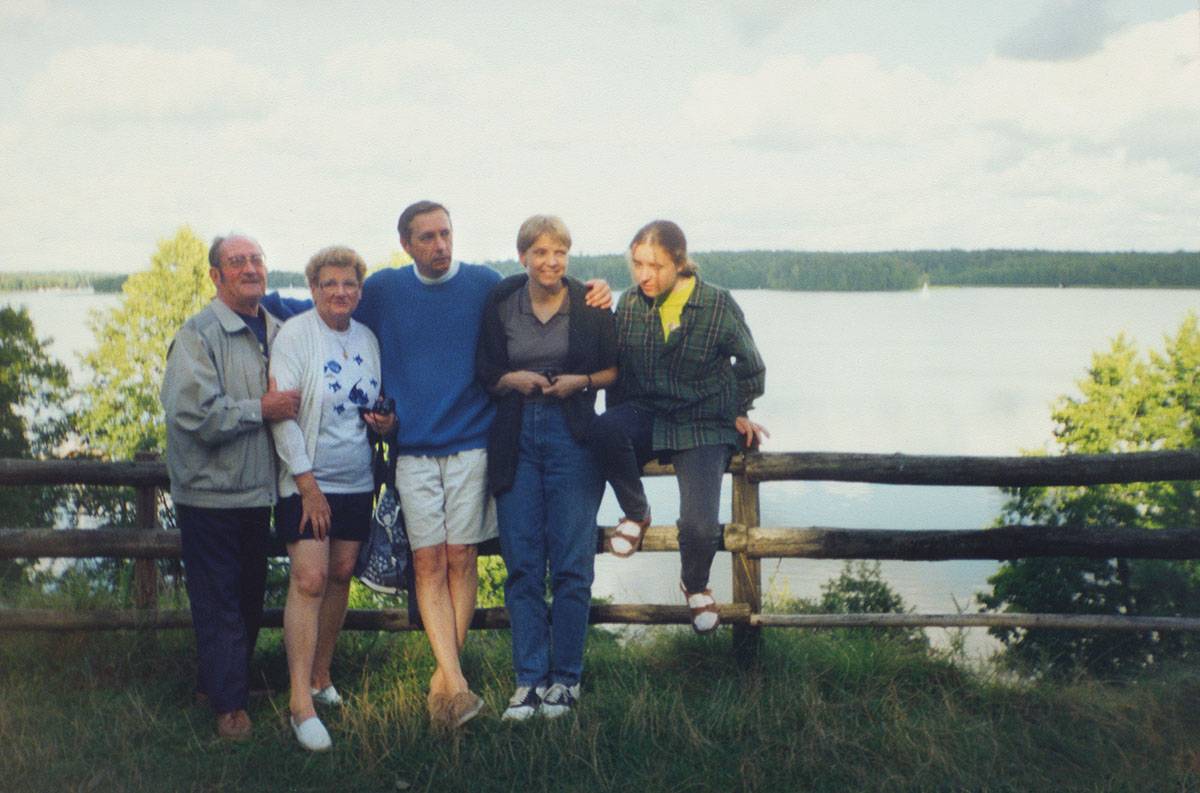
(218, 402)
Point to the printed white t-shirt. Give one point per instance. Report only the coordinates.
(351, 380)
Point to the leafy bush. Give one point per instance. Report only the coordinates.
(1127, 403)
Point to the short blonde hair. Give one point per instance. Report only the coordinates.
(538, 225)
(334, 256)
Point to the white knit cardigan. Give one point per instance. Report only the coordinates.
(297, 358)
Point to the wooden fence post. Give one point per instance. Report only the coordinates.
(747, 572)
(145, 571)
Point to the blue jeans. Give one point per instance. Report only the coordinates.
(549, 516)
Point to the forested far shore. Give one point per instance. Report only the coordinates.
(106, 282)
(901, 270)
(819, 271)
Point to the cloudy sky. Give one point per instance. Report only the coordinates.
(819, 125)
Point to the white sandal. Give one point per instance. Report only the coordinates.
(626, 539)
(705, 614)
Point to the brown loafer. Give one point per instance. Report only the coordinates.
(234, 725)
(439, 705)
(464, 706)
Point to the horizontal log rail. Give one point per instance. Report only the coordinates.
(893, 469)
(135, 473)
(907, 469)
(1087, 622)
(1005, 542)
(356, 619)
(13, 620)
(89, 543)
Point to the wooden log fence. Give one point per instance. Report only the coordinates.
(746, 541)
(1005, 542)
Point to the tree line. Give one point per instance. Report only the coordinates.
(821, 271)
(901, 270)
(108, 283)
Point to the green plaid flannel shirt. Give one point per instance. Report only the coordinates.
(698, 381)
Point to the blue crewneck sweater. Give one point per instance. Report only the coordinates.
(427, 337)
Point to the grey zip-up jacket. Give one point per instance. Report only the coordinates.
(219, 452)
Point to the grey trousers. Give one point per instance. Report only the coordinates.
(699, 472)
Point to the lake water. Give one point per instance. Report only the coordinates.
(948, 371)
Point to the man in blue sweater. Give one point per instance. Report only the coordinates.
(427, 318)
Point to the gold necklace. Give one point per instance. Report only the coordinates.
(337, 335)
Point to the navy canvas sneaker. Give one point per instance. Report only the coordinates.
(525, 702)
(559, 700)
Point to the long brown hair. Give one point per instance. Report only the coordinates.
(667, 235)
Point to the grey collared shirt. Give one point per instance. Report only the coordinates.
(532, 344)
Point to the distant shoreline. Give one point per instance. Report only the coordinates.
(815, 271)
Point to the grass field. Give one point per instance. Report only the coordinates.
(824, 711)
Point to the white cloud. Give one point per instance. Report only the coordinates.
(1064, 154)
(1148, 69)
(788, 100)
(111, 81)
(23, 10)
(1144, 70)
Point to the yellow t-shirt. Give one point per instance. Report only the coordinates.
(671, 310)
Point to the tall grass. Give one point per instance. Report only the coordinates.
(669, 711)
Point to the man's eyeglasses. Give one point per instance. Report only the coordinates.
(241, 260)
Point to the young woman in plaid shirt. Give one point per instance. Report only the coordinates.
(689, 374)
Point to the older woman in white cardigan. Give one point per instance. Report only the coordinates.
(325, 481)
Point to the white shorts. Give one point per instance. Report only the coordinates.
(445, 500)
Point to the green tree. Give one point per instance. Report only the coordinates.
(860, 589)
(121, 414)
(33, 390)
(34, 393)
(396, 259)
(1128, 403)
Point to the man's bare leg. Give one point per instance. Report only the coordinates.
(438, 614)
(463, 579)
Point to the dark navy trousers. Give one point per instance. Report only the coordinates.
(225, 567)
(621, 438)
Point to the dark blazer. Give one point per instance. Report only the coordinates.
(591, 347)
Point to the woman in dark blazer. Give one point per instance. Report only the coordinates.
(542, 354)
